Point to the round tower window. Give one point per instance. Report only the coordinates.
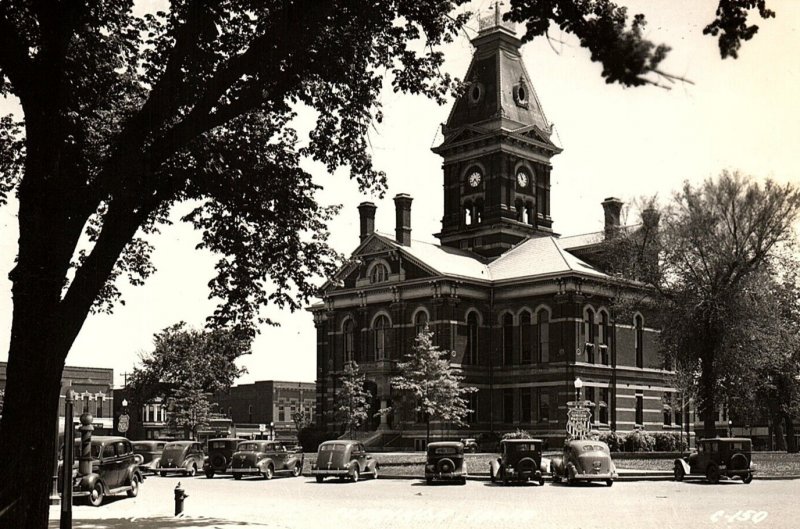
(521, 95)
(475, 92)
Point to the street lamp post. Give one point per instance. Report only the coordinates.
(578, 385)
(272, 430)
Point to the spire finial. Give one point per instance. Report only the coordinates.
(494, 20)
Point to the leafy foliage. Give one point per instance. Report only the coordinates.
(518, 434)
(427, 376)
(351, 408)
(185, 368)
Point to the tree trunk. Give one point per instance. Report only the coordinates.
(29, 425)
(791, 439)
(708, 409)
(427, 430)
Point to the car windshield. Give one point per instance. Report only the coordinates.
(333, 447)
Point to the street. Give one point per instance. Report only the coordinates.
(399, 503)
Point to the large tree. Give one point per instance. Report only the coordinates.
(125, 116)
(185, 367)
(704, 262)
(435, 388)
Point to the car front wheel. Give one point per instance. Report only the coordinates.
(297, 470)
(269, 472)
(191, 471)
(355, 475)
(609, 482)
(95, 497)
(209, 474)
(320, 478)
(712, 473)
(747, 478)
(134, 490)
(237, 477)
(678, 472)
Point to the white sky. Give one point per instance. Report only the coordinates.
(740, 114)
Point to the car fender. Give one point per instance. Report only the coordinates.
(264, 463)
(353, 467)
(134, 471)
(544, 466)
(371, 466)
(683, 464)
(88, 481)
(494, 465)
(156, 462)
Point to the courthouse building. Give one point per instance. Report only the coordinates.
(522, 308)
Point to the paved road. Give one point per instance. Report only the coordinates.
(299, 503)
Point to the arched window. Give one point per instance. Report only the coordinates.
(525, 337)
(543, 335)
(589, 335)
(638, 322)
(348, 334)
(469, 216)
(605, 338)
(508, 339)
(381, 339)
(420, 322)
(471, 356)
(379, 273)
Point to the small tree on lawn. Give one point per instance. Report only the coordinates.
(435, 386)
(352, 400)
(301, 420)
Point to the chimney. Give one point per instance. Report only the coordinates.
(651, 218)
(402, 208)
(612, 208)
(366, 212)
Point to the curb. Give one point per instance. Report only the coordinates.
(623, 478)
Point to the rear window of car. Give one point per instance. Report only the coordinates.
(139, 447)
(248, 447)
(738, 446)
(593, 448)
(334, 447)
(522, 447)
(173, 446)
(217, 444)
(445, 450)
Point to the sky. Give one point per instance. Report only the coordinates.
(625, 142)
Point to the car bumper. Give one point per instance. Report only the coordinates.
(445, 476)
(171, 469)
(248, 470)
(329, 472)
(596, 477)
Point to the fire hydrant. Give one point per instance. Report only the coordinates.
(180, 495)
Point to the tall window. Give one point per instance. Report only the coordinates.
(379, 274)
(543, 328)
(590, 396)
(281, 413)
(508, 406)
(508, 339)
(639, 409)
(420, 321)
(349, 340)
(525, 331)
(639, 340)
(471, 356)
(472, 416)
(86, 404)
(381, 326)
(605, 340)
(589, 330)
(602, 406)
(99, 413)
(667, 402)
(544, 406)
(525, 404)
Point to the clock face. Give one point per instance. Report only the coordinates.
(475, 178)
(522, 179)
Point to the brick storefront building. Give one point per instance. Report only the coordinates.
(522, 308)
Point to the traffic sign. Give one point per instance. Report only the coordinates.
(123, 423)
(262, 428)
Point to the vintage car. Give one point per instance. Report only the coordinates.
(266, 458)
(183, 457)
(150, 452)
(220, 455)
(715, 458)
(445, 462)
(470, 445)
(520, 460)
(584, 460)
(115, 470)
(342, 458)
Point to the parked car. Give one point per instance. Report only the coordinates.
(715, 458)
(343, 458)
(584, 460)
(520, 460)
(150, 452)
(266, 458)
(184, 457)
(445, 462)
(470, 445)
(115, 470)
(220, 455)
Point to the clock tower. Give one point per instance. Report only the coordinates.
(496, 151)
